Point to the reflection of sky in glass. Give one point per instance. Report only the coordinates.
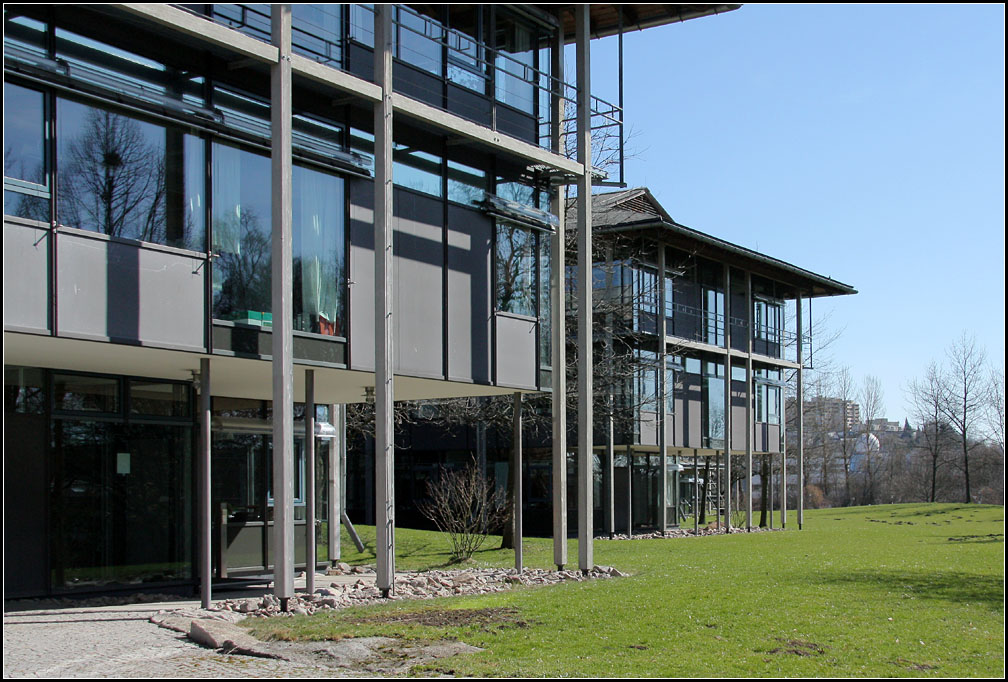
(23, 134)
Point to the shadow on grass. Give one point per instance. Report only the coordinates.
(954, 586)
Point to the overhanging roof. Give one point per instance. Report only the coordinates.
(637, 211)
(605, 19)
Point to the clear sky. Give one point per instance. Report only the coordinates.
(862, 142)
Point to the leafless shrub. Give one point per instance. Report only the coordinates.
(463, 504)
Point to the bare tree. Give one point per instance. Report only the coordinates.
(845, 393)
(464, 505)
(964, 395)
(871, 411)
(926, 397)
(996, 407)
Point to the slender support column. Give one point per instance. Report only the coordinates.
(783, 460)
(283, 309)
(559, 318)
(610, 444)
(384, 435)
(586, 558)
(334, 498)
(662, 392)
(309, 444)
(749, 400)
(516, 494)
(696, 493)
(770, 501)
(800, 401)
(629, 492)
(206, 521)
(726, 325)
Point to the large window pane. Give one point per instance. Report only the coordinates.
(241, 235)
(81, 393)
(515, 77)
(24, 134)
(159, 399)
(516, 266)
(129, 178)
(419, 41)
(319, 248)
(417, 170)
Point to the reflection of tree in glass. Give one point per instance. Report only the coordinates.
(515, 269)
(244, 264)
(113, 180)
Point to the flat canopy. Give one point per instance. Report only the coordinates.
(605, 19)
(636, 211)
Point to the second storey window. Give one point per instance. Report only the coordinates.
(515, 270)
(242, 216)
(126, 177)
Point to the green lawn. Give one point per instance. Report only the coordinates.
(890, 591)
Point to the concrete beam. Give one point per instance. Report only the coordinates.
(204, 29)
(281, 168)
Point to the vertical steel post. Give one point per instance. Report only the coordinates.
(516, 493)
(662, 391)
(206, 520)
(610, 443)
(335, 497)
(726, 325)
(586, 455)
(629, 492)
(559, 317)
(799, 436)
(384, 329)
(783, 485)
(283, 308)
(309, 445)
(749, 400)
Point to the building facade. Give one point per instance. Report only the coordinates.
(193, 195)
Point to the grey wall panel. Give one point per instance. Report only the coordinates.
(418, 247)
(26, 277)
(469, 305)
(125, 292)
(773, 438)
(738, 415)
(362, 275)
(678, 418)
(516, 352)
(648, 425)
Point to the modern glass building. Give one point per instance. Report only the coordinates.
(193, 195)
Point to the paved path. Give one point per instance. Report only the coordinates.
(119, 641)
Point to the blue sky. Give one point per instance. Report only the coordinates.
(862, 142)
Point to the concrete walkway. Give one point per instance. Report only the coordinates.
(120, 641)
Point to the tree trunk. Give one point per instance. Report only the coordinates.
(703, 491)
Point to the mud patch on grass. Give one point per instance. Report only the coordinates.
(915, 667)
(493, 618)
(797, 647)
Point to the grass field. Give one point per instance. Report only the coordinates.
(888, 591)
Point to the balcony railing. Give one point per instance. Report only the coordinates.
(451, 71)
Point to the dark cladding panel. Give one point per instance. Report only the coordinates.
(25, 492)
(738, 415)
(418, 267)
(693, 437)
(516, 352)
(362, 270)
(123, 292)
(26, 277)
(469, 244)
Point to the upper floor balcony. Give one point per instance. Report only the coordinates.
(490, 64)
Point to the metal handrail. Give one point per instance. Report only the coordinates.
(254, 21)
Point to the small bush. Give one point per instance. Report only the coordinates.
(463, 504)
